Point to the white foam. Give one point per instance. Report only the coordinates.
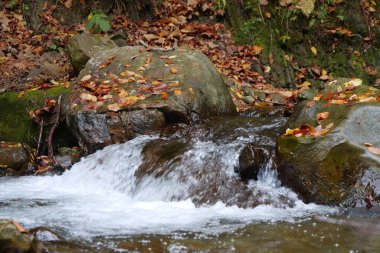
(99, 196)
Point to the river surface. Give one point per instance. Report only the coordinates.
(104, 204)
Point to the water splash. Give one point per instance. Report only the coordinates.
(100, 195)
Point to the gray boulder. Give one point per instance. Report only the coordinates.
(123, 92)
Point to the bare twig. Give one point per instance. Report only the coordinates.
(40, 136)
(52, 130)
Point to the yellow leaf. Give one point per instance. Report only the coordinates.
(173, 70)
(191, 91)
(314, 50)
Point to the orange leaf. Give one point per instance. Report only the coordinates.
(177, 92)
(164, 95)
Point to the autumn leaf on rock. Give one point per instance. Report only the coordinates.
(372, 149)
(88, 97)
(114, 107)
(177, 92)
(173, 70)
(322, 116)
(85, 78)
(164, 95)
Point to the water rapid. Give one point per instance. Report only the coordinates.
(102, 194)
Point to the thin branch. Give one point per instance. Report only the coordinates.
(52, 130)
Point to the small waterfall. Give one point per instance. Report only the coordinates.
(101, 195)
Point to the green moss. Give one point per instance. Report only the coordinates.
(15, 123)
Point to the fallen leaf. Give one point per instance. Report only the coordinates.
(372, 149)
(177, 92)
(173, 70)
(322, 116)
(164, 95)
(19, 227)
(88, 97)
(85, 78)
(114, 107)
(314, 50)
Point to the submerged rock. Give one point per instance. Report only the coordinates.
(129, 92)
(335, 168)
(13, 238)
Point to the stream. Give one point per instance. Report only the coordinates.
(123, 199)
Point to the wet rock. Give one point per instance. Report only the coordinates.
(14, 239)
(90, 129)
(251, 160)
(44, 235)
(82, 47)
(335, 168)
(195, 90)
(13, 155)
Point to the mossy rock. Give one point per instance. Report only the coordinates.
(14, 240)
(335, 168)
(82, 47)
(15, 123)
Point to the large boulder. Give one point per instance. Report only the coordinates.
(334, 167)
(14, 238)
(82, 47)
(123, 92)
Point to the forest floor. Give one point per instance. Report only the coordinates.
(40, 61)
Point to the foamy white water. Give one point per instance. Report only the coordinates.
(100, 196)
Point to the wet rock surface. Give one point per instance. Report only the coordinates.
(13, 238)
(336, 168)
(211, 178)
(252, 159)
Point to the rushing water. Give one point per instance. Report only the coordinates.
(100, 205)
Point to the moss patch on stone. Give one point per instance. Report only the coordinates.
(15, 123)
